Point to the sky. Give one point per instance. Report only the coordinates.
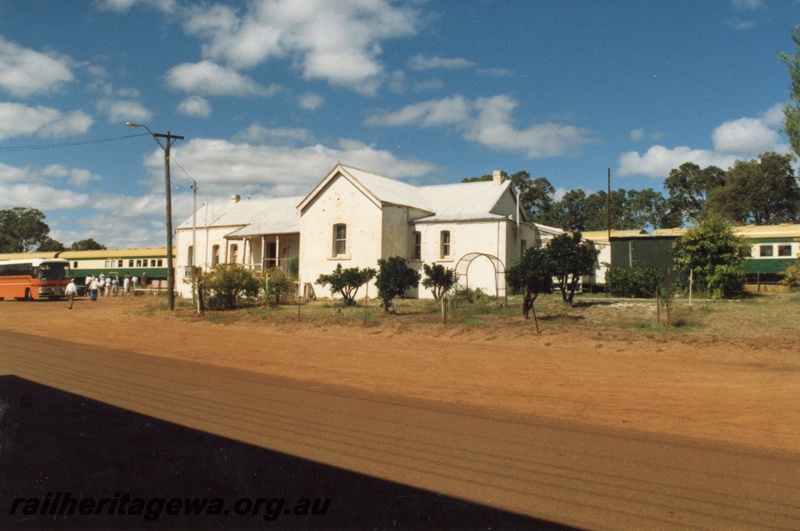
(270, 94)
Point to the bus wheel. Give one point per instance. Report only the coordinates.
(28, 296)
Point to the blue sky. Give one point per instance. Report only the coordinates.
(271, 94)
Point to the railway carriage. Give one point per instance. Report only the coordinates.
(111, 262)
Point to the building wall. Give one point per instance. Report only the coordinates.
(339, 203)
(207, 238)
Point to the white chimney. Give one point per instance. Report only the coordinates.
(499, 177)
(235, 198)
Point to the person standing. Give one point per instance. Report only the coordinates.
(70, 292)
(115, 285)
(93, 287)
(127, 283)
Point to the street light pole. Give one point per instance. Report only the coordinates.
(170, 266)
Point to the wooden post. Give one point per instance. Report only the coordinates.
(668, 302)
(535, 319)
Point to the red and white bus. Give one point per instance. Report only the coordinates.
(33, 278)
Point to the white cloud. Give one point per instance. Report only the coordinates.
(20, 120)
(420, 62)
(659, 160)
(447, 111)
(25, 72)
(743, 138)
(637, 134)
(258, 134)
(43, 197)
(225, 167)
(123, 6)
(120, 111)
(74, 176)
(311, 102)
(335, 41)
(747, 5)
(195, 106)
(488, 122)
(212, 79)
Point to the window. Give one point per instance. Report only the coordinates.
(445, 243)
(784, 250)
(138, 263)
(119, 263)
(214, 255)
(75, 265)
(144, 262)
(765, 250)
(160, 263)
(234, 253)
(339, 239)
(130, 263)
(417, 246)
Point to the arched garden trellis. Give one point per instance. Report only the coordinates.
(462, 270)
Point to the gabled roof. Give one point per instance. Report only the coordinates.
(380, 190)
(475, 201)
(254, 217)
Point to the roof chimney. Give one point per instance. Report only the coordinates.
(499, 177)
(235, 198)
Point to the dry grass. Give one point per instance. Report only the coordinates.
(767, 315)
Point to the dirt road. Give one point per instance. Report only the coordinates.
(595, 431)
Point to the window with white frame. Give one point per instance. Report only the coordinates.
(339, 239)
(214, 255)
(417, 246)
(765, 250)
(785, 250)
(234, 253)
(444, 238)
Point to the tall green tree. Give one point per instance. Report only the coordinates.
(438, 279)
(758, 192)
(792, 110)
(689, 187)
(22, 230)
(536, 196)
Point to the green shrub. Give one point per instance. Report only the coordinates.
(277, 284)
(346, 282)
(638, 282)
(227, 284)
(394, 279)
(438, 279)
(791, 276)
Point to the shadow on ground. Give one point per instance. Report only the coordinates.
(61, 453)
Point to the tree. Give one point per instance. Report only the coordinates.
(22, 230)
(226, 284)
(438, 279)
(759, 192)
(716, 256)
(87, 245)
(394, 279)
(346, 282)
(532, 275)
(570, 259)
(277, 284)
(536, 197)
(792, 110)
(689, 187)
(51, 245)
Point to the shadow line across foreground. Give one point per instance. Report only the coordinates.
(64, 453)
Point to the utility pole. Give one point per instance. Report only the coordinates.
(170, 266)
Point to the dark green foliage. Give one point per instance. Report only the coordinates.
(570, 259)
(716, 255)
(438, 279)
(792, 110)
(346, 282)
(226, 284)
(639, 281)
(22, 230)
(532, 275)
(394, 279)
(277, 284)
(87, 245)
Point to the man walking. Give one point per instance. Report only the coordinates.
(71, 291)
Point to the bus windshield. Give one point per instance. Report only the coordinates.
(51, 271)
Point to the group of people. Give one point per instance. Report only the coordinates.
(107, 286)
